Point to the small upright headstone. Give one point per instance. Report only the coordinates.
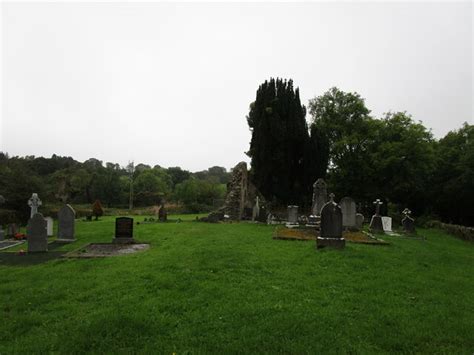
(387, 223)
(312, 221)
(36, 234)
(162, 214)
(262, 214)
(66, 224)
(12, 229)
(331, 226)
(376, 224)
(320, 196)
(123, 230)
(408, 223)
(359, 221)
(49, 226)
(34, 202)
(348, 208)
(292, 215)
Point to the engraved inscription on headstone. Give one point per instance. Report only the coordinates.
(123, 230)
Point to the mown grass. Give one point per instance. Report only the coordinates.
(228, 288)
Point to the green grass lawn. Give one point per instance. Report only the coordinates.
(228, 288)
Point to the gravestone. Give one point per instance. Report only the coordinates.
(408, 223)
(255, 210)
(387, 224)
(36, 234)
(348, 208)
(292, 214)
(359, 221)
(331, 226)
(12, 229)
(66, 224)
(34, 202)
(312, 221)
(376, 224)
(49, 226)
(320, 196)
(262, 214)
(162, 214)
(123, 230)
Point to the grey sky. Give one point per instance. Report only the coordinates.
(170, 84)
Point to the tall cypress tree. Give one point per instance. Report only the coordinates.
(281, 150)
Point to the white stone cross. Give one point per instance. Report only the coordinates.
(331, 197)
(34, 202)
(406, 212)
(377, 204)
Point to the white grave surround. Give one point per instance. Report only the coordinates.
(387, 224)
(49, 226)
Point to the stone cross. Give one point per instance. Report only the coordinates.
(377, 204)
(331, 197)
(406, 212)
(34, 202)
(256, 202)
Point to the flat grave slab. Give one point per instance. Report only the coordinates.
(303, 234)
(5, 244)
(102, 250)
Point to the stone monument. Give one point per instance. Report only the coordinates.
(163, 214)
(320, 196)
(408, 223)
(292, 215)
(331, 226)
(49, 226)
(36, 234)
(66, 224)
(123, 231)
(348, 208)
(376, 224)
(34, 202)
(359, 221)
(387, 223)
(255, 210)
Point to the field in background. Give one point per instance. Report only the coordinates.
(232, 288)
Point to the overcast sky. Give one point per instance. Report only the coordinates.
(171, 84)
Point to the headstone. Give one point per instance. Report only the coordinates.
(387, 224)
(320, 196)
(376, 224)
(256, 210)
(359, 221)
(34, 202)
(331, 226)
(49, 226)
(123, 230)
(162, 214)
(292, 214)
(66, 224)
(36, 234)
(262, 214)
(312, 221)
(408, 223)
(348, 208)
(12, 229)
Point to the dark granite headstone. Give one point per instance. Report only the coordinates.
(376, 224)
(66, 223)
(408, 223)
(123, 230)
(331, 226)
(12, 229)
(37, 234)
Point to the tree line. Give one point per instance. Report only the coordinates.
(58, 179)
(390, 157)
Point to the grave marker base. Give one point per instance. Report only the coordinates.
(337, 243)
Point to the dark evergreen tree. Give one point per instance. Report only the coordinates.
(280, 141)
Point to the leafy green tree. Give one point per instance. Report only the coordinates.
(151, 186)
(453, 185)
(178, 175)
(199, 195)
(279, 139)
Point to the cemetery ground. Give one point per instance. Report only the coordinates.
(232, 288)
